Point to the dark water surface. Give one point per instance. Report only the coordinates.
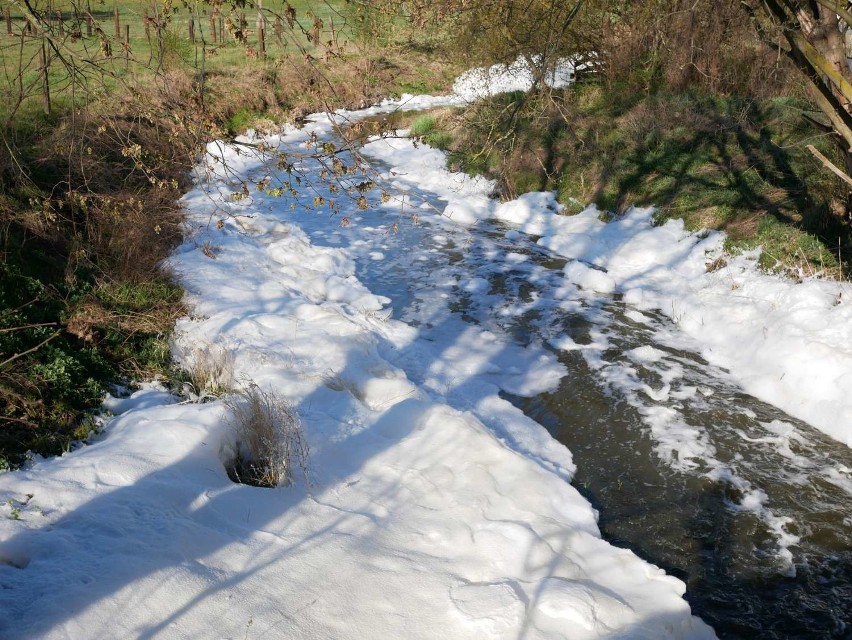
(689, 524)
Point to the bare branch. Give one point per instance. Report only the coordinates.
(31, 350)
(28, 326)
(828, 164)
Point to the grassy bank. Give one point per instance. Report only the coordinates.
(716, 162)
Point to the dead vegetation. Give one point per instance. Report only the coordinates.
(270, 445)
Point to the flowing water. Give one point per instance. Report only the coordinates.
(750, 507)
(691, 524)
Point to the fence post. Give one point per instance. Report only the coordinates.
(213, 27)
(192, 29)
(126, 46)
(89, 26)
(117, 25)
(334, 37)
(161, 46)
(8, 15)
(261, 29)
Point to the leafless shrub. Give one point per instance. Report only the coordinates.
(685, 44)
(271, 446)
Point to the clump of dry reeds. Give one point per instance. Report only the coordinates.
(210, 369)
(271, 446)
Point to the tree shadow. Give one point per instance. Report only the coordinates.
(88, 555)
(726, 164)
(175, 523)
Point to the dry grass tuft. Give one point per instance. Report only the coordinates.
(271, 446)
(211, 370)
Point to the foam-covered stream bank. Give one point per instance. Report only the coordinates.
(706, 403)
(442, 349)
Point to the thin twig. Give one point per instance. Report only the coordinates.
(35, 348)
(28, 326)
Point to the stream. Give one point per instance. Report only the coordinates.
(750, 507)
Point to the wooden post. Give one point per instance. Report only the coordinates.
(45, 84)
(89, 26)
(161, 45)
(192, 29)
(213, 27)
(126, 46)
(146, 20)
(334, 37)
(261, 28)
(222, 28)
(117, 24)
(8, 15)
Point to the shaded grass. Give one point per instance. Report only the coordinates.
(96, 333)
(723, 163)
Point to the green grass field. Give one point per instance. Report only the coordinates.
(103, 56)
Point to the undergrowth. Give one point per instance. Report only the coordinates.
(83, 301)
